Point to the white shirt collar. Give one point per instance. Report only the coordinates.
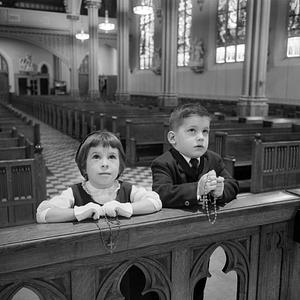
(189, 158)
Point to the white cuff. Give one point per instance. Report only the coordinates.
(41, 216)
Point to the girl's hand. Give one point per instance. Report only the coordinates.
(114, 208)
(90, 210)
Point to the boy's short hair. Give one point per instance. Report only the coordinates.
(184, 111)
(94, 139)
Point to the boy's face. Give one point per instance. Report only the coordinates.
(191, 137)
(102, 166)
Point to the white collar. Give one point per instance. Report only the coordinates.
(189, 158)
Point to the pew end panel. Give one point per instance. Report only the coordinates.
(17, 192)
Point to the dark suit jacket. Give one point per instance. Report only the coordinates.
(173, 182)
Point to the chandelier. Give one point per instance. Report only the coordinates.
(106, 26)
(143, 7)
(82, 36)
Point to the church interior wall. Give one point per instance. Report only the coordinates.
(16, 50)
(221, 81)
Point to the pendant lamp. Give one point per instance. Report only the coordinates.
(143, 7)
(106, 25)
(82, 36)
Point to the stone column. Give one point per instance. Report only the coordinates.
(122, 93)
(56, 67)
(74, 81)
(168, 95)
(253, 101)
(93, 7)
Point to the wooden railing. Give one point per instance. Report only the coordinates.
(172, 248)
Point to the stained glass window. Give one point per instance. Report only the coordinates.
(231, 31)
(184, 32)
(146, 50)
(293, 43)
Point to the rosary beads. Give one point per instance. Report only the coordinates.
(206, 203)
(111, 242)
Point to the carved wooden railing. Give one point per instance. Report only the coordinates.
(170, 248)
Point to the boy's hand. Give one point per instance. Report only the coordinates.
(90, 210)
(218, 191)
(207, 183)
(114, 208)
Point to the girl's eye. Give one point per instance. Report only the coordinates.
(192, 130)
(112, 156)
(206, 131)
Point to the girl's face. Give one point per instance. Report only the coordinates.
(102, 166)
(191, 137)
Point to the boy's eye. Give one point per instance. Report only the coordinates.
(96, 156)
(192, 130)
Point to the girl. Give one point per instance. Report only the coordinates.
(101, 160)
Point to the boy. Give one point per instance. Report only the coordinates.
(188, 172)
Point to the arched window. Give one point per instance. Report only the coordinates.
(146, 50)
(3, 65)
(184, 32)
(231, 31)
(293, 42)
(44, 69)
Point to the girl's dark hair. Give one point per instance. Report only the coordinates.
(94, 139)
(184, 111)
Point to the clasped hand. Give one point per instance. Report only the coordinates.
(95, 211)
(209, 182)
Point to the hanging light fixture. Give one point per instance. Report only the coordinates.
(144, 7)
(106, 26)
(82, 36)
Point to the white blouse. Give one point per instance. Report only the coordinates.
(101, 196)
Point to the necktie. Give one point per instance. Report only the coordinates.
(194, 163)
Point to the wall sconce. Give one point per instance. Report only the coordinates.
(143, 7)
(106, 26)
(82, 36)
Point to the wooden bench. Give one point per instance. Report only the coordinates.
(237, 152)
(17, 152)
(240, 145)
(275, 165)
(119, 123)
(12, 141)
(216, 140)
(145, 140)
(29, 130)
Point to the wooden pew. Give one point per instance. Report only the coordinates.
(275, 165)
(31, 131)
(145, 139)
(240, 145)
(240, 156)
(119, 123)
(173, 250)
(12, 141)
(9, 133)
(17, 152)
